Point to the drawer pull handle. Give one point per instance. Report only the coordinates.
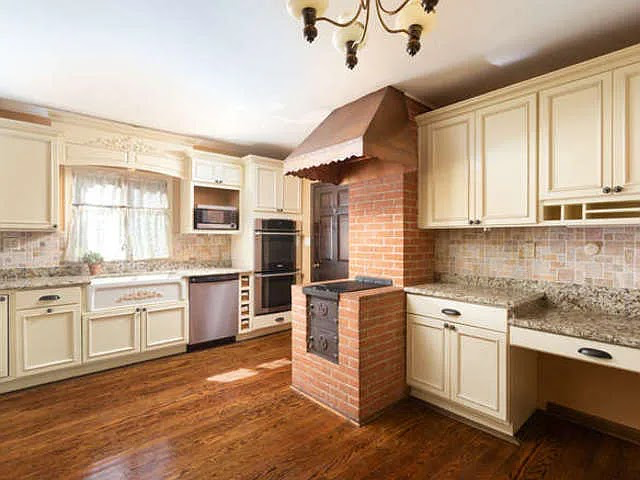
(49, 298)
(594, 352)
(451, 311)
(279, 319)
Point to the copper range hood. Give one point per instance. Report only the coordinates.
(367, 138)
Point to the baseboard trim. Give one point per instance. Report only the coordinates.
(263, 332)
(594, 422)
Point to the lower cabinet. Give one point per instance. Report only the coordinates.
(111, 334)
(479, 369)
(462, 364)
(4, 336)
(163, 326)
(48, 339)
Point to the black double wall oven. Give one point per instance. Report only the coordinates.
(275, 250)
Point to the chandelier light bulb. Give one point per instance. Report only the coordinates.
(352, 33)
(414, 14)
(308, 10)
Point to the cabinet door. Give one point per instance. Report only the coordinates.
(427, 355)
(228, 174)
(626, 128)
(479, 370)
(164, 326)
(575, 138)
(506, 156)
(204, 170)
(48, 339)
(111, 335)
(4, 336)
(447, 151)
(268, 188)
(29, 180)
(292, 194)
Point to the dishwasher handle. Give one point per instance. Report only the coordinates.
(214, 278)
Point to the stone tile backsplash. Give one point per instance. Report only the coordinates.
(607, 257)
(30, 250)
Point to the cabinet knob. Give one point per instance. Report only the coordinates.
(606, 190)
(446, 325)
(470, 222)
(452, 327)
(137, 309)
(477, 222)
(617, 188)
(49, 310)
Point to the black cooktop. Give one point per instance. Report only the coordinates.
(332, 290)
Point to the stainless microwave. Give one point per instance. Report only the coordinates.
(215, 217)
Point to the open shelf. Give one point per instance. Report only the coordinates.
(216, 196)
(585, 213)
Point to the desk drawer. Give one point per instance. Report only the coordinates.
(625, 358)
(49, 297)
(481, 316)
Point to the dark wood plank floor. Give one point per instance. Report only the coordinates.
(163, 419)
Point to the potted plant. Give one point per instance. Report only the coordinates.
(94, 261)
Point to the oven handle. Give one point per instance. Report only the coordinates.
(267, 275)
(259, 232)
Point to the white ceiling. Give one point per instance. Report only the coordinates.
(241, 72)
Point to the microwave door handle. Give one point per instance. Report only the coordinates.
(268, 275)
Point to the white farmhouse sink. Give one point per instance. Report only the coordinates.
(105, 293)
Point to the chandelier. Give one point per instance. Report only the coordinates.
(412, 18)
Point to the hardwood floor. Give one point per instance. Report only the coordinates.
(163, 419)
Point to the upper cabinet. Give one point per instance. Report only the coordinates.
(212, 170)
(575, 138)
(479, 168)
(626, 128)
(560, 149)
(275, 192)
(29, 179)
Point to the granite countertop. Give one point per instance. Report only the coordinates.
(496, 297)
(589, 325)
(71, 280)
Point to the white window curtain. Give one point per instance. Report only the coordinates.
(121, 216)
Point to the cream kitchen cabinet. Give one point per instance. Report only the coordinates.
(428, 355)
(212, 170)
(275, 192)
(575, 138)
(462, 364)
(626, 129)
(111, 334)
(48, 339)
(506, 163)
(4, 336)
(29, 180)
(164, 326)
(479, 167)
(479, 369)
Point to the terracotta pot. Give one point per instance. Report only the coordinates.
(95, 269)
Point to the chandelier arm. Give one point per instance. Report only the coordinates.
(366, 27)
(393, 11)
(342, 24)
(384, 25)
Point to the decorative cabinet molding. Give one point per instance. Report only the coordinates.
(123, 143)
(29, 182)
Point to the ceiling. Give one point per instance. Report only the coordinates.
(240, 72)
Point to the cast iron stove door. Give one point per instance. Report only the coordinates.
(322, 329)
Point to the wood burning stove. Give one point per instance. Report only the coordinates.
(322, 313)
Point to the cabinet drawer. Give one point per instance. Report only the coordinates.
(481, 316)
(625, 358)
(46, 298)
(271, 320)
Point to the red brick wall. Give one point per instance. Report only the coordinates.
(384, 239)
(370, 374)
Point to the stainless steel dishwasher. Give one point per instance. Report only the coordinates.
(213, 307)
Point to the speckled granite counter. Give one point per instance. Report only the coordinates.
(598, 326)
(72, 280)
(509, 298)
(581, 311)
